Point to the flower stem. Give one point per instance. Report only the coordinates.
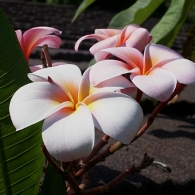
(138, 95)
(100, 157)
(44, 63)
(46, 55)
(160, 106)
(51, 160)
(64, 171)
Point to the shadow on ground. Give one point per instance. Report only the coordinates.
(137, 184)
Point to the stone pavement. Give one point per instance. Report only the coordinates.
(171, 138)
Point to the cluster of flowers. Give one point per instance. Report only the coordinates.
(72, 105)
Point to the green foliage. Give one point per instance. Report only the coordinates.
(21, 159)
(84, 5)
(53, 183)
(168, 27)
(137, 13)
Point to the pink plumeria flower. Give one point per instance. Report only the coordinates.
(34, 68)
(71, 108)
(38, 36)
(156, 73)
(131, 36)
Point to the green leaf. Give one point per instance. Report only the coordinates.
(53, 183)
(137, 13)
(82, 7)
(21, 159)
(168, 27)
(92, 62)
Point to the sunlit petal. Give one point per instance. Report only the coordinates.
(115, 114)
(107, 32)
(107, 69)
(36, 101)
(106, 43)
(112, 84)
(139, 39)
(69, 135)
(67, 77)
(20, 38)
(132, 56)
(183, 69)
(34, 68)
(126, 33)
(91, 36)
(158, 84)
(35, 36)
(158, 55)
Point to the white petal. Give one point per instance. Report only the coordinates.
(116, 114)
(34, 68)
(112, 84)
(69, 135)
(183, 69)
(158, 84)
(67, 77)
(107, 69)
(34, 102)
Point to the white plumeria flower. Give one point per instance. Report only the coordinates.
(72, 108)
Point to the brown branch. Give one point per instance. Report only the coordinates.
(138, 95)
(155, 112)
(65, 172)
(46, 57)
(51, 160)
(44, 63)
(100, 157)
(147, 161)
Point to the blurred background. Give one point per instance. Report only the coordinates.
(111, 4)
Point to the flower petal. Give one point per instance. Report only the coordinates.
(91, 36)
(34, 68)
(106, 43)
(107, 32)
(115, 114)
(138, 39)
(20, 38)
(158, 84)
(40, 35)
(34, 102)
(127, 31)
(100, 34)
(51, 40)
(67, 77)
(158, 55)
(183, 69)
(107, 69)
(131, 56)
(69, 135)
(113, 84)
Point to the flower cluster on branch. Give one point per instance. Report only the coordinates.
(73, 105)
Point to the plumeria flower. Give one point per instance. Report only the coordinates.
(155, 73)
(71, 108)
(131, 36)
(34, 68)
(38, 36)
